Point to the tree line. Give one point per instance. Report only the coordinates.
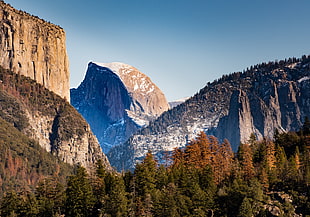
(264, 178)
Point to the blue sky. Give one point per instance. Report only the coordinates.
(181, 45)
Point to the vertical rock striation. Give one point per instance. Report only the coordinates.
(34, 48)
(116, 99)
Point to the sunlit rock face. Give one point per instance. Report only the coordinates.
(34, 48)
(117, 99)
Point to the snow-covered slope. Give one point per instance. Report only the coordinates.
(117, 100)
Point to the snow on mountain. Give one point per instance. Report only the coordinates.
(269, 96)
(117, 100)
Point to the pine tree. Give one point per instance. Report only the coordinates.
(28, 205)
(50, 196)
(165, 204)
(270, 155)
(178, 157)
(79, 196)
(9, 204)
(145, 174)
(246, 160)
(224, 159)
(116, 202)
(99, 188)
(245, 209)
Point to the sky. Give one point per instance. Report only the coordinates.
(181, 45)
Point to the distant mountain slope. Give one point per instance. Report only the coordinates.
(47, 118)
(265, 97)
(116, 99)
(175, 103)
(23, 162)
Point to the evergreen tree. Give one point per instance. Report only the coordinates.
(245, 209)
(245, 157)
(50, 196)
(145, 174)
(99, 188)
(9, 204)
(29, 205)
(165, 203)
(116, 202)
(79, 196)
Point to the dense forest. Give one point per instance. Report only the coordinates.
(264, 178)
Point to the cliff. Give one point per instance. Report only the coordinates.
(269, 96)
(116, 99)
(34, 48)
(50, 120)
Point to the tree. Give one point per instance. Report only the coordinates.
(79, 196)
(165, 203)
(178, 157)
(145, 174)
(245, 157)
(116, 201)
(245, 209)
(9, 204)
(224, 159)
(50, 196)
(270, 155)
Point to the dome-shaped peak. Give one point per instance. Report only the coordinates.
(117, 67)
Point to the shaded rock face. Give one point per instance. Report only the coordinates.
(117, 100)
(260, 100)
(34, 48)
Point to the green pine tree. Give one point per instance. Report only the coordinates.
(79, 196)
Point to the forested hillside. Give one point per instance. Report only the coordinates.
(264, 178)
(261, 99)
(35, 125)
(48, 119)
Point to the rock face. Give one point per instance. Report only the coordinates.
(34, 48)
(266, 97)
(116, 99)
(42, 115)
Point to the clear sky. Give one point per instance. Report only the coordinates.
(180, 44)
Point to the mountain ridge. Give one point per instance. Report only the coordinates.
(264, 97)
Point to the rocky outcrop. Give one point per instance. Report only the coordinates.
(116, 99)
(34, 48)
(47, 118)
(264, 98)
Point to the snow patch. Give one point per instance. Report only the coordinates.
(304, 79)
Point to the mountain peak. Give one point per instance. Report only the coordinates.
(117, 99)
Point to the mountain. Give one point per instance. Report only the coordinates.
(34, 88)
(117, 99)
(24, 162)
(34, 48)
(50, 120)
(265, 97)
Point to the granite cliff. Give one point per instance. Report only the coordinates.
(265, 97)
(50, 120)
(116, 99)
(34, 48)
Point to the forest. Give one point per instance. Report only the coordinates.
(264, 178)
